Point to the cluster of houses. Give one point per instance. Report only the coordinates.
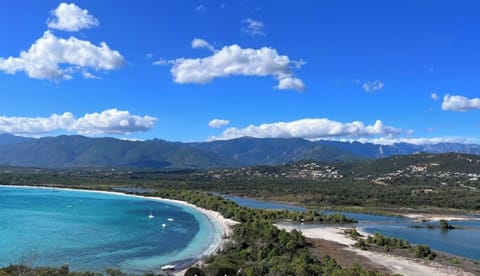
(427, 170)
(303, 171)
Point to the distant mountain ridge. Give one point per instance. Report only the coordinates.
(79, 151)
(369, 150)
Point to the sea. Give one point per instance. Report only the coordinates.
(94, 231)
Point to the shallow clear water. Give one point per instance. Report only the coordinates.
(461, 242)
(93, 231)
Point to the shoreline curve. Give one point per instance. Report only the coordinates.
(219, 223)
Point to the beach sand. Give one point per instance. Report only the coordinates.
(396, 264)
(436, 217)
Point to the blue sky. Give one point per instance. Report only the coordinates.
(381, 71)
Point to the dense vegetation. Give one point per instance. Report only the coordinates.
(64, 270)
(390, 244)
(22, 270)
(448, 181)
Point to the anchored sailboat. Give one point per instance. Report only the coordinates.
(150, 215)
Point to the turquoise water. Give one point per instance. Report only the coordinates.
(94, 231)
(461, 242)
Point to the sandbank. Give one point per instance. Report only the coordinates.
(435, 217)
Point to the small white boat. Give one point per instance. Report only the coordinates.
(164, 225)
(150, 215)
(168, 267)
(170, 219)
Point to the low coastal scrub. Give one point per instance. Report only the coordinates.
(260, 248)
(391, 244)
(64, 270)
(443, 225)
(23, 270)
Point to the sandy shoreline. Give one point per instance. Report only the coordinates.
(436, 217)
(396, 264)
(224, 225)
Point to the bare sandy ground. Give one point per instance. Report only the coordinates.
(397, 264)
(436, 217)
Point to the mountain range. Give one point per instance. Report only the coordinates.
(79, 151)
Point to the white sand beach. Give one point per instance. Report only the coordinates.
(397, 264)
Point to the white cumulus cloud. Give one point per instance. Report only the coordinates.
(111, 121)
(311, 128)
(434, 96)
(35, 125)
(373, 86)
(201, 43)
(218, 123)
(234, 60)
(460, 103)
(290, 83)
(69, 17)
(54, 58)
(253, 27)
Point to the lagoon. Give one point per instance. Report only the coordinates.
(461, 242)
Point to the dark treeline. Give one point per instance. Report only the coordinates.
(230, 209)
(411, 192)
